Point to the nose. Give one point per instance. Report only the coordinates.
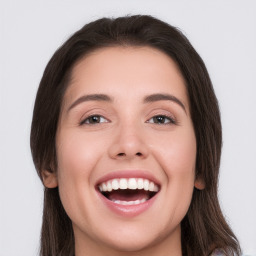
(128, 143)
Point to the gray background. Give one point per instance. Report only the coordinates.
(224, 34)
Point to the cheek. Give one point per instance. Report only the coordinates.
(76, 155)
(179, 161)
(77, 158)
(177, 153)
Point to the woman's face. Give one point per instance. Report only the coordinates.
(126, 152)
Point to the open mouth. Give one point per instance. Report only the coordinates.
(128, 191)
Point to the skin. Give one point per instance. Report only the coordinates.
(126, 138)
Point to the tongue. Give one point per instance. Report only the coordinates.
(128, 195)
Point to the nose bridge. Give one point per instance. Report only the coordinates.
(129, 142)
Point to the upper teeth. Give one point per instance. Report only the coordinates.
(131, 183)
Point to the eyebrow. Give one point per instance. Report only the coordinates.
(90, 97)
(147, 99)
(163, 97)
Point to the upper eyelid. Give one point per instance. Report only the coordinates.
(93, 112)
(110, 114)
(163, 115)
(87, 117)
(161, 112)
(171, 118)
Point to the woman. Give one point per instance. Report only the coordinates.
(126, 137)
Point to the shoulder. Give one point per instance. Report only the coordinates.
(217, 252)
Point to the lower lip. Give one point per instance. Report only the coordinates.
(128, 211)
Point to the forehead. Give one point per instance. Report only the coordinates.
(132, 69)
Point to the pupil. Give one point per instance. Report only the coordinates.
(94, 119)
(159, 119)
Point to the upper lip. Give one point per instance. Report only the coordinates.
(128, 174)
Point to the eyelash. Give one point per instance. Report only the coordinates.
(87, 119)
(170, 120)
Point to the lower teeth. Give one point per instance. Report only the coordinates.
(129, 202)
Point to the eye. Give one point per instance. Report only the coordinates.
(161, 119)
(94, 119)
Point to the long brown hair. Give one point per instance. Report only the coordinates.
(204, 228)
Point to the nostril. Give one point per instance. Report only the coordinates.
(123, 154)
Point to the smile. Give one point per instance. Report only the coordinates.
(128, 193)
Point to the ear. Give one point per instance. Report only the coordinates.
(199, 183)
(49, 179)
